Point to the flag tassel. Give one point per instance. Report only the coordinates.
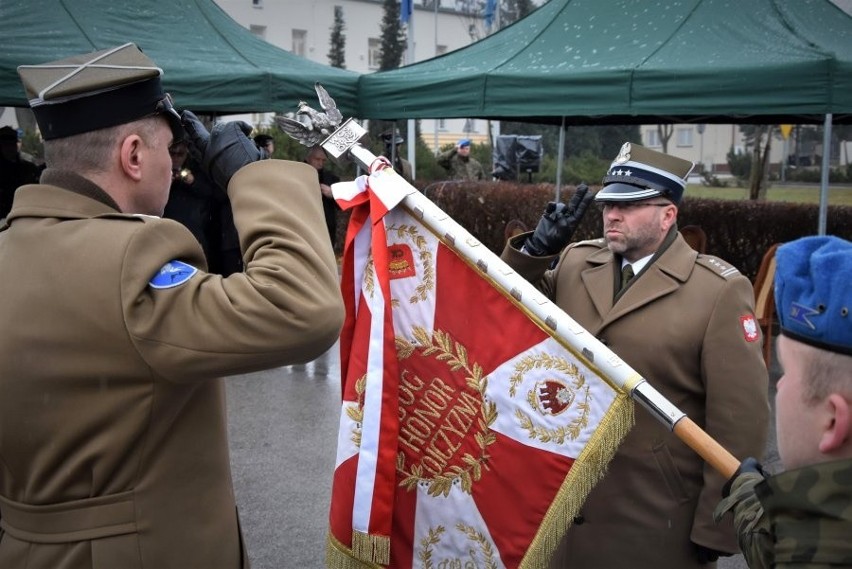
(371, 547)
(339, 556)
(590, 468)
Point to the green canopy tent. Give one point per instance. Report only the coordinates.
(211, 64)
(637, 61)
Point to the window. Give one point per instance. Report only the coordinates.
(374, 53)
(300, 38)
(259, 31)
(440, 49)
(652, 137)
(684, 136)
(257, 3)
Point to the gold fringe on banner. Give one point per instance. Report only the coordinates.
(587, 470)
(370, 547)
(338, 556)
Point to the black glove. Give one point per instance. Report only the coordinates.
(706, 555)
(221, 152)
(750, 464)
(558, 224)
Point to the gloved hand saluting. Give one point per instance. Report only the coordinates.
(221, 152)
(558, 224)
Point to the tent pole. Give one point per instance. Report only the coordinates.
(823, 190)
(412, 123)
(559, 159)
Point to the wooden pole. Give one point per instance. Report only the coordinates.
(344, 144)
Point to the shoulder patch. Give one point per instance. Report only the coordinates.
(717, 266)
(172, 274)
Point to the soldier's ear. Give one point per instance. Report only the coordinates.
(836, 433)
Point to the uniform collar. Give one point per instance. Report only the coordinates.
(62, 194)
(667, 270)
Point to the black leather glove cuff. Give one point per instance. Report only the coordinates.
(534, 247)
(708, 555)
(750, 464)
(224, 150)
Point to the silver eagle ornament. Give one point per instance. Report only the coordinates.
(312, 126)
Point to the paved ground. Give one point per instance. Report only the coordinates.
(283, 429)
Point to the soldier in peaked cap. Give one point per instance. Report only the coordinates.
(392, 140)
(803, 516)
(113, 448)
(686, 323)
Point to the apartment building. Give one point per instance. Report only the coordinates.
(304, 27)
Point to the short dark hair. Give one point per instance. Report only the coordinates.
(263, 139)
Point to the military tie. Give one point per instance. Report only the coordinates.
(626, 275)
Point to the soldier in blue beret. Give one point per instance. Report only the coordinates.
(803, 516)
(460, 165)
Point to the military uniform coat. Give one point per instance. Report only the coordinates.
(680, 324)
(461, 168)
(798, 518)
(113, 434)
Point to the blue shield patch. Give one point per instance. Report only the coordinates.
(172, 274)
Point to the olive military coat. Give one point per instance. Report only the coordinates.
(683, 324)
(113, 435)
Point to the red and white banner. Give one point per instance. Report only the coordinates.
(469, 437)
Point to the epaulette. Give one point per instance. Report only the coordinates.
(599, 242)
(717, 266)
(127, 216)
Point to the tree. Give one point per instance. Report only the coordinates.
(758, 138)
(337, 49)
(390, 57)
(514, 10)
(760, 163)
(665, 132)
(393, 37)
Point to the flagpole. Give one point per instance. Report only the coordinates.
(409, 59)
(344, 144)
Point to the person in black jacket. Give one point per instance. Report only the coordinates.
(195, 202)
(15, 169)
(316, 157)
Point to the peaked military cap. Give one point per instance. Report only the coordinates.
(96, 90)
(392, 136)
(639, 173)
(8, 134)
(813, 292)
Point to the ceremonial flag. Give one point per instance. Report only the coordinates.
(468, 436)
(405, 10)
(490, 9)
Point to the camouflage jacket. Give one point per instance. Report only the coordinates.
(800, 518)
(461, 168)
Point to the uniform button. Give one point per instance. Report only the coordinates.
(579, 520)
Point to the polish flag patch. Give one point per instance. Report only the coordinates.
(750, 328)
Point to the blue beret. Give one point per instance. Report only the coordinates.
(813, 292)
(464, 142)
